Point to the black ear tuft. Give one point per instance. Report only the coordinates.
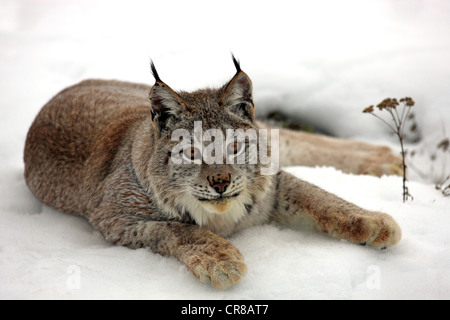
(154, 72)
(238, 94)
(236, 64)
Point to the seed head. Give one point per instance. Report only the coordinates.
(408, 101)
(444, 144)
(368, 109)
(388, 103)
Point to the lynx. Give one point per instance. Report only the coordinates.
(104, 150)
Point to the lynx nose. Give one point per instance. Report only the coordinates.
(221, 187)
(219, 182)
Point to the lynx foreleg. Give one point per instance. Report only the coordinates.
(209, 257)
(333, 215)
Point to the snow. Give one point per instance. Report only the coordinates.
(322, 61)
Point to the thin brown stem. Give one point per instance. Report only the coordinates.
(392, 128)
(397, 129)
(406, 194)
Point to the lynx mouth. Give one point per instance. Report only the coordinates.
(220, 198)
(220, 204)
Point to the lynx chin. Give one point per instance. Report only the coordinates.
(104, 150)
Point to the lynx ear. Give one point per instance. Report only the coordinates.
(238, 95)
(166, 105)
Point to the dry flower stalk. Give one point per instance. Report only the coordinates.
(399, 119)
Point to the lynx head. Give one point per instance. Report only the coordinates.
(205, 163)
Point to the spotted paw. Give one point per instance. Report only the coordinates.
(375, 229)
(223, 267)
(381, 161)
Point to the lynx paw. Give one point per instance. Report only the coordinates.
(381, 161)
(222, 267)
(378, 230)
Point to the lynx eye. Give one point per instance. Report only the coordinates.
(192, 154)
(235, 148)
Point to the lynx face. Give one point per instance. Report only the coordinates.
(199, 168)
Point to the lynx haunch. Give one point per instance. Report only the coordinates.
(102, 150)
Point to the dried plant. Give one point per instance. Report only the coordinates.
(398, 127)
(437, 173)
(444, 186)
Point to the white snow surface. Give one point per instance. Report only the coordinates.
(321, 61)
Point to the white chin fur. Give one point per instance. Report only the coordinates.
(219, 216)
